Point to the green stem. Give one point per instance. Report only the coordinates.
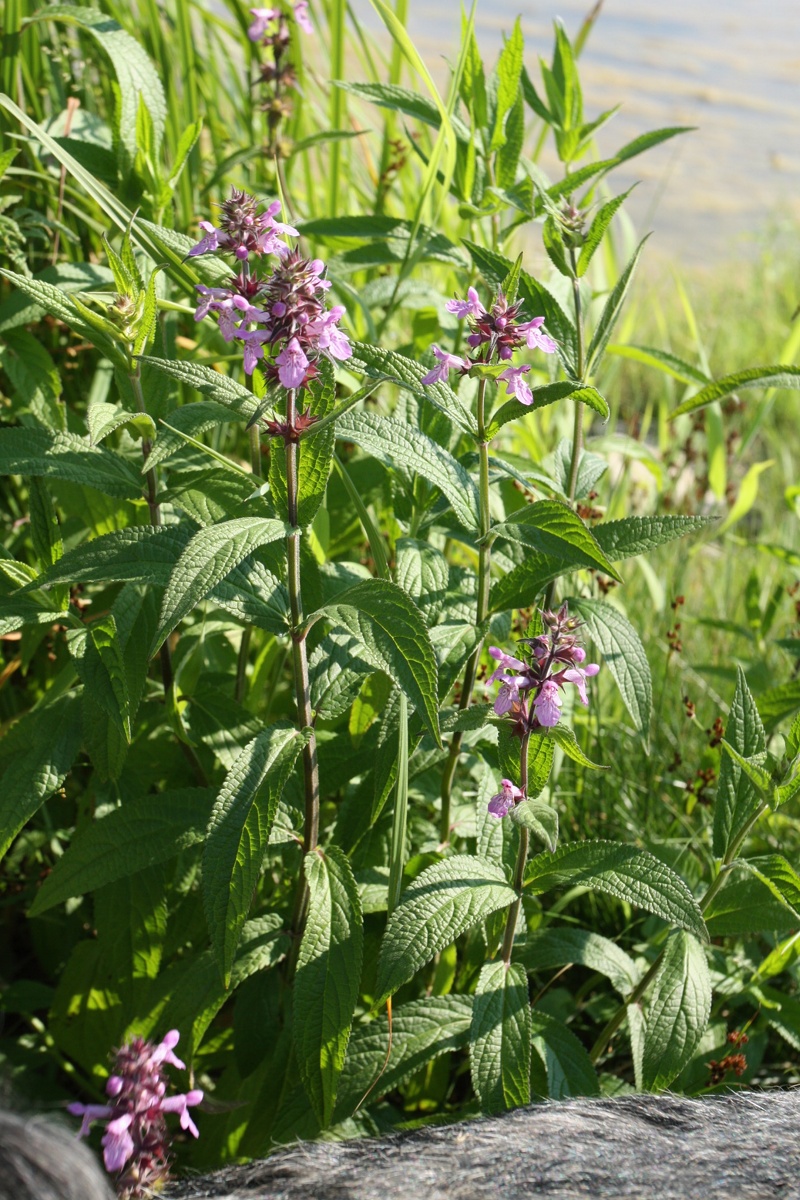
(484, 580)
(400, 814)
(522, 858)
(241, 664)
(302, 685)
(619, 1016)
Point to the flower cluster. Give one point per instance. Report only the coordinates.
(529, 690)
(136, 1141)
(494, 336)
(283, 312)
(270, 28)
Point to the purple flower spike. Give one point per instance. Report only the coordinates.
(512, 377)
(501, 804)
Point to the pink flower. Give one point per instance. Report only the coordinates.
(471, 307)
(302, 17)
(117, 1143)
(512, 377)
(501, 804)
(253, 347)
(508, 697)
(292, 364)
(180, 1104)
(207, 244)
(578, 676)
(547, 704)
(507, 663)
(262, 18)
(536, 338)
(447, 363)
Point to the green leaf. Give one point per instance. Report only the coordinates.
(758, 775)
(597, 230)
(328, 977)
(103, 419)
(521, 587)
(50, 299)
(399, 445)
(779, 702)
(500, 1038)
(611, 311)
(548, 949)
(564, 737)
(34, 377)
(137, 77)
(314, 455)
(238, 834)
(45, 742)
(737, 800)
(437, 907)
(208, 382)
(509, 153)
(632, 875)
(640, 535)
(540, 818)
(210, 555)
(540, 758)
(509, 68)
(662, 360)
(66, 456)
(569, 1068)
(422, 1030)
(101, 667)
(780, 376)
(778, 876)
(423, 572)
(623, 654)
(392, 635)
(552, 528)
(400, 99)
(554, 246)
(679, 1010)
(549, 393)
(131, 838)
(746, 905)
(405, 373)
(45, 529)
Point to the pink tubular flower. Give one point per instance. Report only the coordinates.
(292, 364)
(536, 337)
(507, 663)
(501, 804)
(578, 676)
(471, 307)
(136, 1140)
(512, 377)
(261, 20)
(447, 363)
(209, 243)
(547, 704)
(302, 17)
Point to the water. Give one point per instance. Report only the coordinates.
(729, 67)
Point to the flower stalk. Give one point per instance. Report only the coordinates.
(522, 858)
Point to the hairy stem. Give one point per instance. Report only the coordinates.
(522, 858)
(484, 579)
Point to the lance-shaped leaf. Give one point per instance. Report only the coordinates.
(423, 572)
(133, 837)
(552, 528)
(443, 902)
(45, 296)
(400, 445)
(611, 312)
(635, 876)
(421, 1031)
(100, 661)
(210, 555)
(66, 456)
(208, 382)
(778, 876)
(679, 1010)
(42, 748)
(568, 1066)
(737, 798)
(521, 587)
(597, 230)
(549, 393)
(547, 949)
(392, 635)
(623, 654)
(238, 834)
(406, 373)
(640, 535)
(500, 1038)
(779, 376)
(778, 702)
(745, 905)
(540, 818)
(328, 977)
(564, 737)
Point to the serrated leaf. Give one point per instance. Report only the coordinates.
(399, 445)
(34, 378)
(65, 456)
(736, 799)
(780, 376)
(103, 419)
(101, 667)
(540, 758)
(623, 654)
(422, 571)
(405, 373)
(436, 908)
(50, 299)
(328, 976)
(137, 835)
(597, 230)
(46, 742)
(552, 528)
(509, 153)
(679, 1010)
(400, 99)
(521, 587)
(753, 768)
(662, 360)
(500, 1038)
(238, 834)
(421, 1031)
(509, 68)
(540, 818)
(569, 1068)
(314, 455)
(564, 737)
(611, 312)
(210, 555)
(549, 393)
(778, 876)
(392, 635)
(632, 875)
(778, 702)
(547, 949)
(336, 673)
(745, 905)
(639, 535)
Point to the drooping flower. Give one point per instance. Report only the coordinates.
(471, 307)
(136, 1139)
(547, 703)
(516, 385)
(447, 363)
(292, 364)
(262, 18)
(535, 336)
(302, 17)
(501, 804)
